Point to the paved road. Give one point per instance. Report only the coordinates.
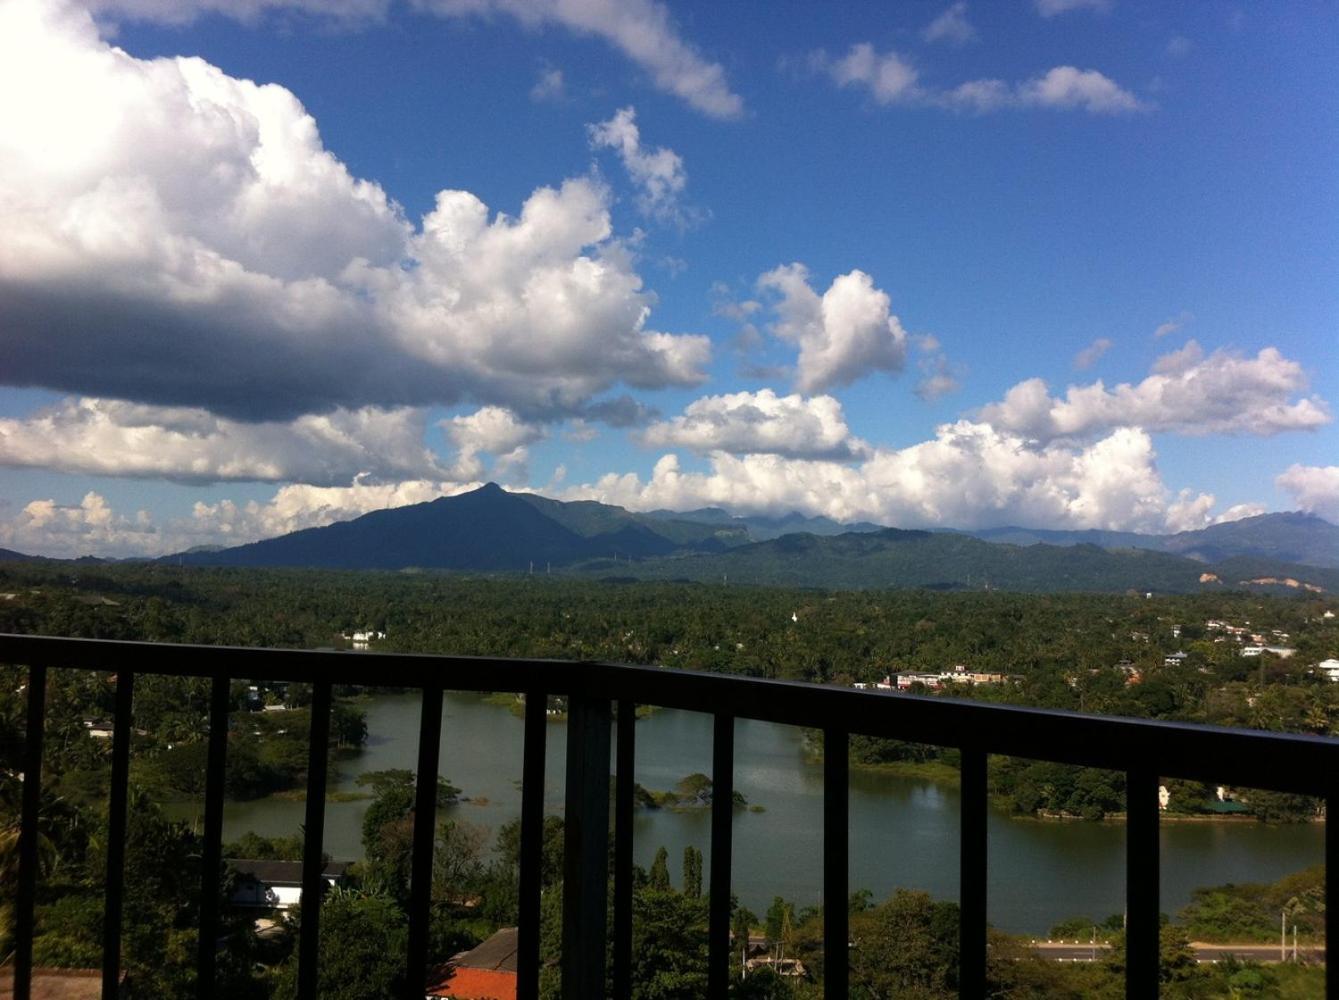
(1073, 951)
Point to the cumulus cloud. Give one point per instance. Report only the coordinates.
(951, 26)
(890, 78)
(178, 237)
(1188, 393)
(1314, 488)
(1061, 88)
(496, 431)
(887, 76)
(658, 173)
(44, 527)
(187, 444)
(1050, 8)
(1091, 354)
(641, 29)
(760, 422)
(844, 334)
(969, 475)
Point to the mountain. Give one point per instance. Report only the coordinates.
(759, 528)
(953, 561)
(486, 529)
(1292, 537)
(9, 555)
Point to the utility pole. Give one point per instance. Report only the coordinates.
(1294, 942)
(1283, 936)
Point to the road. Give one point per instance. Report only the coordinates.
(1077, 951)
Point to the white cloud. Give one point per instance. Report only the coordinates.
(1061, 88)
(1188, 393)
(888, 77)
(496, 431)
(176, 236)
(951, 26)
(45, 527)
(186, 444)
(1172, 325)
(1050, 8)
(760, 422)
(891, 79)
(969, 475)
(658, 173)
(641, 29)
(1314, 488)
(178, 12)
(549, 87)
(1091, 354)
(843, 335)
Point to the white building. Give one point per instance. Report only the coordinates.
(277, 885)
(1329, 669)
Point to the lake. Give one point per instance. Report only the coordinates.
(904, 832)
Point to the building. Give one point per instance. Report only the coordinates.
(277, 885)
(1329, 669)
(931, 682)
(1174, 659)
(1282, 652)
(486, 972)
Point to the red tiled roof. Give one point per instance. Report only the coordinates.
(474, 984)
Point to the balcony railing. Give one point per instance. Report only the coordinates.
(1144, 750)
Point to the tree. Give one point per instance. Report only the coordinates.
(363, 940)
(692, 872)
(659, 879)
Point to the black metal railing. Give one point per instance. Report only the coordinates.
(1144, 750)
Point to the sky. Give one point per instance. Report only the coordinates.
(266, 264)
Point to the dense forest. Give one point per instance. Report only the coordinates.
(1067, 651)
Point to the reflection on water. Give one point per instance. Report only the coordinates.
(903, 832)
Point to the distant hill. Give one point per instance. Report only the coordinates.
(9, 555)
(951, 561)
(1292, 537)
(487, 529)
(492, 530)
(759, 528)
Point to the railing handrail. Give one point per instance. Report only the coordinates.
(1144, 749)
(1292, 762)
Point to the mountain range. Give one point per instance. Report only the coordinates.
(495, 531)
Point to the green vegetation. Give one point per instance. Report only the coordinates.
(1059, 651)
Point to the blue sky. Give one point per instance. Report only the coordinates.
(1063, 262)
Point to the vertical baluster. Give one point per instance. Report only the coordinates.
(211, 855)
(586, 848)
(1141, 885)
(532, 845)
(313, 863)
(1331, 893)
(425, 831)
(836, 870)
(722, 829)
(28, 835)
(625, 754)
(972, 875)
(116, 836)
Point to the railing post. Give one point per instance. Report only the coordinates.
(116, 835)
(211, 854)
(836, 866)
(625, 764)
(1331, 891)
(28, 834)
(586, 847)
(313, 861)
(425, 836)
(1141, 884)
(722, 822)
(972, 875)
(532, 845)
